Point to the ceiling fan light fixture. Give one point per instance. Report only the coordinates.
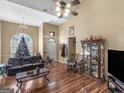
(64, 9)
(68, 5)
(58, 14)
(58, 9)
(66, 14)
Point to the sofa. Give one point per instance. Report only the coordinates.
(16, 65)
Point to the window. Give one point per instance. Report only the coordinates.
(15, 40)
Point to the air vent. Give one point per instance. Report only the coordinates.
(45, 10)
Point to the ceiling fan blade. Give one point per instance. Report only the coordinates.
(75, 2)
(74, 13)
(57, 3)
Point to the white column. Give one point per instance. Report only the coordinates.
(41, 39)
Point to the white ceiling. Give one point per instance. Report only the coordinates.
(30, 10)
(39, 5)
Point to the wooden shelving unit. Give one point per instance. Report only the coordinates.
(93, 57)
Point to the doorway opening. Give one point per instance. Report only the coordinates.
(72, 48)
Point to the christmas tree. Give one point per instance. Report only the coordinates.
(22, 49)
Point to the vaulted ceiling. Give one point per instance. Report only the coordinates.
(47, 6)
(34, 12)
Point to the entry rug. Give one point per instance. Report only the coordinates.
(6, 90)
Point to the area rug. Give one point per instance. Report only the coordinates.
(6, 90)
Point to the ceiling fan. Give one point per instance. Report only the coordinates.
(63, 8)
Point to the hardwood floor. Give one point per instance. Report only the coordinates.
(61, 81)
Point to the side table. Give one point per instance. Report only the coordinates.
(2, 66)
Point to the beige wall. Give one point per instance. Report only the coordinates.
(46, 30)
(97, 17)
(0, 41)
(10, 29)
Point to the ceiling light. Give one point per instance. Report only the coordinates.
(58, 14)
(58, 9)
(67, 10)
(65, 14)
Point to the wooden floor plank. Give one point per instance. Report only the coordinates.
(61, 81)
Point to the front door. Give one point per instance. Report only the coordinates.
(52, 49)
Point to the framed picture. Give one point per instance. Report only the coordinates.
(52, 34)
(71, 30)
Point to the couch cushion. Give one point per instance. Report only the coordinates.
(27, 65)
(23, 64)
(26, 60)
(15, 61)
(16, 67)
